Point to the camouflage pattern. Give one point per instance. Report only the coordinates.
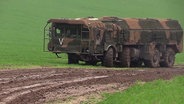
(90, 38)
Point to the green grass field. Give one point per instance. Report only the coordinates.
(22, 22)
(21, 38)
(157, 92)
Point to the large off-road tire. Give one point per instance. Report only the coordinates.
(108, 58)
(154, 59)
(168, 58)
(125, 57)
(73, 58)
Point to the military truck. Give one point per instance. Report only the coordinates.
(115, 41)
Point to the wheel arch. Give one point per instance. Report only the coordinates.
(174, 47)
(114, 50)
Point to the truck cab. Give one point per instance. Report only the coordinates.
(79, 38)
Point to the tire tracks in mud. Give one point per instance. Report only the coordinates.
(41, 85)
(18, 92)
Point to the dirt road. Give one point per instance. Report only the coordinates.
(46, 84)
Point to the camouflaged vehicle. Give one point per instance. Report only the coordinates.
(116, 41)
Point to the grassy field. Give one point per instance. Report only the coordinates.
(157, 92)
(22, 22)
(21, 38)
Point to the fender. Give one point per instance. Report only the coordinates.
(106, 48)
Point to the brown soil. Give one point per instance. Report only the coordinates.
(46, 84)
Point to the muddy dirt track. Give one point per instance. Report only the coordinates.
(45, 84)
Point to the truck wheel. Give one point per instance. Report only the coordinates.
(154, 59)
(125, 57)
(168, 58)
(72, 58)
(108, 58)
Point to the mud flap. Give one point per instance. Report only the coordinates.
(57, 55)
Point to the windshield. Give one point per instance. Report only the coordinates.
(70, 31)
